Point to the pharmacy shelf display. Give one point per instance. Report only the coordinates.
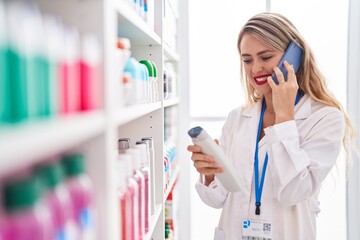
(89, 73)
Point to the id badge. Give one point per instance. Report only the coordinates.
(257, 230)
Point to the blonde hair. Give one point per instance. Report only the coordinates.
(277, 31)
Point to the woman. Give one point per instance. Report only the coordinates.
(283, 143)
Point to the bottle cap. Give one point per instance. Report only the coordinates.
(50, 175)
(149, 140)
(73, 164)
(155, 68)
(150, 67)
(21, 193)
(123, 144)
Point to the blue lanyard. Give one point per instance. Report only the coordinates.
(259, 186)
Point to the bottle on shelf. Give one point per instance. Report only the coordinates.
(145, 170)
(140, 179)
(69, 83)
(137, 175)
(134, 72)
(81, 192)
(53, 45)
(134, 189)
(27, 216)
(152, 79)
(126, 199)
(123, 54)
(150, 153)
(58, 200)
(90, 84)
(15, 89)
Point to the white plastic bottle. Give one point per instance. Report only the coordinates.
(208, 146)
(150, 162)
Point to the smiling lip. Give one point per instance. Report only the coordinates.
(262, 79)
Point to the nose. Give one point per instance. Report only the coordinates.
(257, 67)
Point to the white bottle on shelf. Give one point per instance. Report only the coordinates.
(149, 143)
(140, 179)
(143, 146)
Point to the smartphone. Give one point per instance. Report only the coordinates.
(293, 55)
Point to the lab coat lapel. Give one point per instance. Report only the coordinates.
(253, 114)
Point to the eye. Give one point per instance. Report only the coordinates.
(247, 60)
(267, 58)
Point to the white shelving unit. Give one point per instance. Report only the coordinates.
(96, 133)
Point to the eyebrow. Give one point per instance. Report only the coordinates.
(259, 53)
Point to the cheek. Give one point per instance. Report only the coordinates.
(247, 68)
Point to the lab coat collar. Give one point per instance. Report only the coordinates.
(302, 109)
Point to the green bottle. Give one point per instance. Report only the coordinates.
(15, 85)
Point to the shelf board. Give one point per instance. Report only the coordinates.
(127, 114)
(171, 102)
(154, 219)
(33, 141)
(132, 26)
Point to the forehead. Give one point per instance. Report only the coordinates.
(251, 45)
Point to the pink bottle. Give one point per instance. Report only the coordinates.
(89, 74)
(80, 188)
(69, 84)
(140, 179)
(146, 173)
(133, 187)
(27, 217)
(58, 200)
(126, 196)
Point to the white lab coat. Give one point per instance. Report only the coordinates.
(301, 154)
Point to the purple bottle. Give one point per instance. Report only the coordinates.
(27, 217)
(80, 188)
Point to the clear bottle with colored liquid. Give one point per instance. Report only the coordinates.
(81, 192)
(27, 217)
(69, 84)
(150, 162)
(89, 73)
(58, 200)
(124, 194)
(144, 168)
(15, 83)
(140, 179)
(134, 186)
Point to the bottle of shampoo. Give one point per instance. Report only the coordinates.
(126, 219)
(58, 200)
(81, 192)
(27, 217)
